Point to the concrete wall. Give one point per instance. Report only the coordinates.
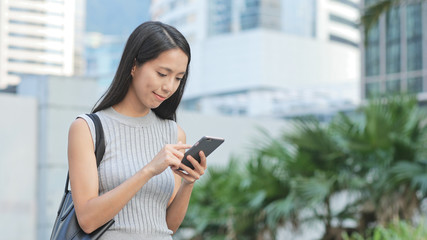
(18, 167)
(33, 143)
(60, 100)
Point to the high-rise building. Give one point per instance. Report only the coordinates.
(39, 37)
(109, 24)
(261, 57)
(103, 53)
(79, 30)
(334, 20)
(394, 58)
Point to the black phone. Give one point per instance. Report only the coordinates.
(207, 144)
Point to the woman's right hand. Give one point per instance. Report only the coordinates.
(169, 156)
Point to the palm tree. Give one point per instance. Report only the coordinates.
(247, 199)
(388, 146)
(320, 171)
(243, 200)
(214, 203)
(377, 156)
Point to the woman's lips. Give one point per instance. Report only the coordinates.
(160, 98)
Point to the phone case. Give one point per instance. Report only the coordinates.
(206, 144)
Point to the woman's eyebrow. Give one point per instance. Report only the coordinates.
(170, 70)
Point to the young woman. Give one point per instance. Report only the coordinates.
(138, 182)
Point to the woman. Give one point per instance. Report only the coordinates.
(138, 182)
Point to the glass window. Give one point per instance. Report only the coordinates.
(339, 39)
(299, 17)
(219, 17)
(372, 52)
(348, 3)
(414, 37)
(393, 41)
(270, 15)
(250, 14)
(343, 20)
(372, 89)
(392, 86)
(415, 85)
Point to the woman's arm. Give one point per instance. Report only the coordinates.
(93, 210)
(183, 187)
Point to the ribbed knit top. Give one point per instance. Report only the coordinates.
(131, 143)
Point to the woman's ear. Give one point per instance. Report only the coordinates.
(132, 72)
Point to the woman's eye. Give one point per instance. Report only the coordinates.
(179, 79)
(161, 74)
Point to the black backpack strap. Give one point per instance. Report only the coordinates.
(99, 144)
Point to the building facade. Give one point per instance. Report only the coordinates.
(39, 37)
(394, 57)
(293, 48)
(108, 28)
(334, 20)
(102, 54)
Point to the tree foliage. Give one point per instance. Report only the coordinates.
(376, 158)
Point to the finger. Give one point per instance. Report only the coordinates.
(202, 159)
(196, 172)
(187, 169)
(181, 172)
(197, 167)
(185, 176)
(181, 150)
(177, 153)
(174, 161)
(181, 146)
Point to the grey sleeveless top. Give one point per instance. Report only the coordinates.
(131, 143)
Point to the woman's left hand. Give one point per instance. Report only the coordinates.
(192, 175)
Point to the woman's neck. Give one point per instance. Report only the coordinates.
(130, 106)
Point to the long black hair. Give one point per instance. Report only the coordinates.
(146, 43)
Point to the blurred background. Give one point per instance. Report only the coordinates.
(321, 103)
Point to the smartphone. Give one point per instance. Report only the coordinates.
(207, 144)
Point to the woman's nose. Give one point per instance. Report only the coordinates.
(168, 85)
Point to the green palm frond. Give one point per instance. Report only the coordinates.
(266, 176)
(413, 173)
(282, 209)
(268, 146)
(385, 121)
(315, 148)
(308, 135)
(313, 191)
(350, 133)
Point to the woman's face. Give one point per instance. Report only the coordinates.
(156, 80)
